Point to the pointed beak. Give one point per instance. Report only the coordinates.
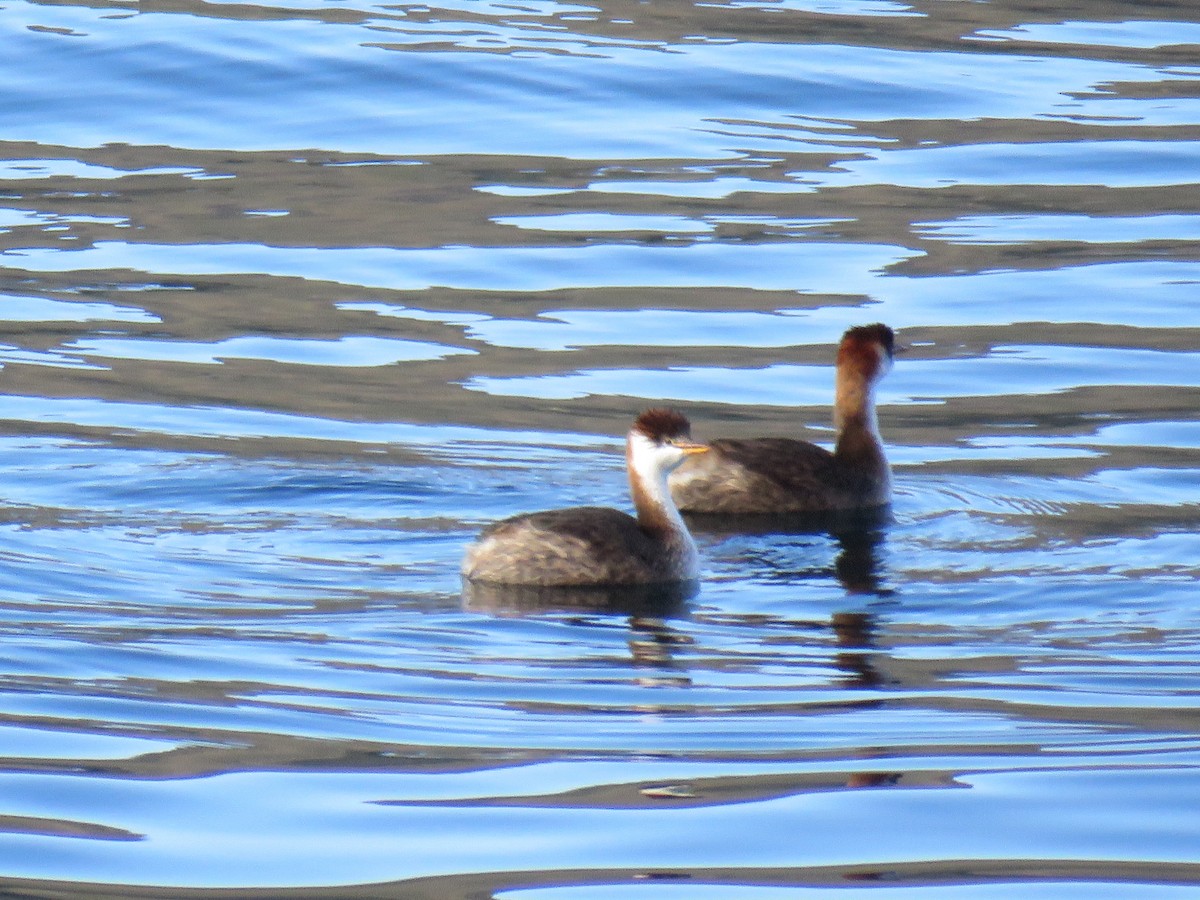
(691, 447)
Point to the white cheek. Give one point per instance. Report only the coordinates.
(674, 457)
(667, 457)
(652, 461)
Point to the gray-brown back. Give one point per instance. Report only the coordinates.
(581, 545)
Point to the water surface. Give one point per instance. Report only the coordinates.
(295, 297)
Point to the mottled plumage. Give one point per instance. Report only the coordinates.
(785, 475)
(554, 546)
(593, 545)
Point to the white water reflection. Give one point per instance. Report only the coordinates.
(813, 266)
(51, 359)
(253, 843)
(1005, 371)
(350, 350)
(578, 81)
(418, 315)
(1140, 34)
(1142, 294)
(566, 329)
(32, 743)
(20, 218)
(698, 890)
(25, 169)
(715, 188)
(804, 387)
(14, 308)
(231, 422)
(603, 222)
(826, 7)
(1022, 229)
(1109, 163)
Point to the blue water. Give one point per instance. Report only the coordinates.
(297, 297)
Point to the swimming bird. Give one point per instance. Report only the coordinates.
(785, 475)
(591, 545)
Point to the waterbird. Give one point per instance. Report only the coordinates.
(591, 545)
(753, 476)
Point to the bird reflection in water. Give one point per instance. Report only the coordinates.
(664, 601)
(858, 569)
(781, 548)
(854, 631)
(854, 637)
(648, 607)
(791, 547)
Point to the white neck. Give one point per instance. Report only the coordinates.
(649, 465)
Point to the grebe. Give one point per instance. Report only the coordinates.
(783, 475)
(591, 545)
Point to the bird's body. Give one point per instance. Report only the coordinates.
(784, 475)
(582, 545)
(592, 545)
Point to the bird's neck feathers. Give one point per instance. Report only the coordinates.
(656, 511)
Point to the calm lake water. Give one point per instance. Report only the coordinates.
(297, 296)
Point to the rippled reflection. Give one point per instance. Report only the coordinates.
(657, 600)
